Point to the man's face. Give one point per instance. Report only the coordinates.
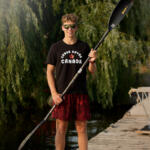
(69, 29)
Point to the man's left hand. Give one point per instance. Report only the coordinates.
(92, 55)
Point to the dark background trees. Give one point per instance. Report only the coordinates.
(28, 28)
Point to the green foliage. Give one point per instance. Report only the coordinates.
(119, 49)
(137, 23)
(21, 58)
(28, 27)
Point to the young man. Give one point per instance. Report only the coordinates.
(66, 57)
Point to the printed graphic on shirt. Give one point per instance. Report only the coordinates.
(71, 57)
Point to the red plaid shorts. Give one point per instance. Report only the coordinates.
(73, 107)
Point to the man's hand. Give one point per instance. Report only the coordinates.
(92, 55)
(57, 98)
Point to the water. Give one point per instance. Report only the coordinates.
(11, 135)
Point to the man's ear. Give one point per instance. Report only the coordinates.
(62, 28)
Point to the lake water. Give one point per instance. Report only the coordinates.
(12, 134)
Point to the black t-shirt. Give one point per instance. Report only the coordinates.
(68, 59)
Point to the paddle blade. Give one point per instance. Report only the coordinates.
(119, 12)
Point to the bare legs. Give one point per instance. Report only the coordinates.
(81, 127)
(61, 128)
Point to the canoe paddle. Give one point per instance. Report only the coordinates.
(118, 14)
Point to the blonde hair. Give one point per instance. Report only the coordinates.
(69, 17)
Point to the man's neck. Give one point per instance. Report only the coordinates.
(70, 41)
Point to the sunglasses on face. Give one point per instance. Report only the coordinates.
(67, 26)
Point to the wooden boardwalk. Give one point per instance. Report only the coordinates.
(123, 135)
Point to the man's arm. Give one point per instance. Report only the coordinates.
(92, 67)
(92, 64)
(51, 83)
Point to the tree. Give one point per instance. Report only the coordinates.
(21, 57)
(118, 50)
(29, 27)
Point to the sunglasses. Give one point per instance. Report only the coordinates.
(71, 26)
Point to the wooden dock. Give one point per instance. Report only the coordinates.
(126, 133)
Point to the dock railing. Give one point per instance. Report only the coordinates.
(142, 95)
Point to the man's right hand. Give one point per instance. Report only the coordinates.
(57, 98)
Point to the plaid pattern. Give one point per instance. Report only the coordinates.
(74, 107)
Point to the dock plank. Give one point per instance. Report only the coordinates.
(123, 135)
